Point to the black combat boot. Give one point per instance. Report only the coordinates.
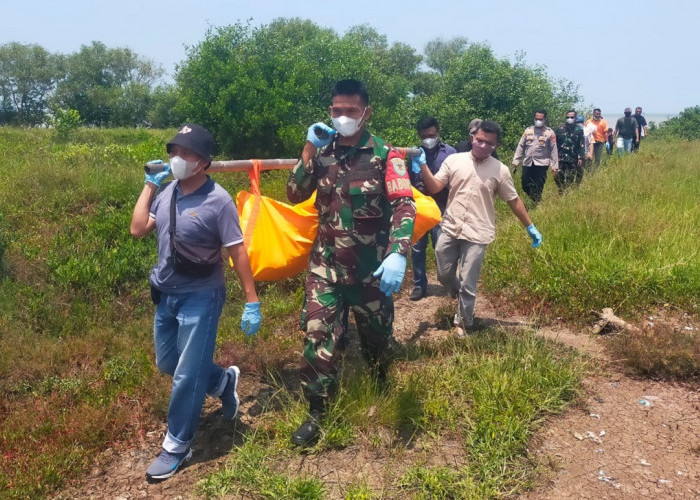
(308, 432)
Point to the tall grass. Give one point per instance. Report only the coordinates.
(76, 354)
(76, 369)
(626, 239)
(490, 391)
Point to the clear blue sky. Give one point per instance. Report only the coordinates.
(620, 52)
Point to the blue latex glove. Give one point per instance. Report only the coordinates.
(535, 235)
(251, 319)
(391, 270)
(158, 178)
(417, 161)
(320, 128)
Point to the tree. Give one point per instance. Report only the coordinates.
(28, 74)
(686, 125)
(165, 110)
(476, 84)
(440, 53)
(259, 89)
(108, 87)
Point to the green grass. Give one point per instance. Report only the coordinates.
(76, 354)
(491, 391)
(626, 239)
(75, 313)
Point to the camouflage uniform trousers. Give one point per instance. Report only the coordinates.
(567, 175)
(325, 320)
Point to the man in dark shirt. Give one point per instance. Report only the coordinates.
(627, 130)
(435, 153)
(641, 127)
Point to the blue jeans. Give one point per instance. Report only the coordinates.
(627, 145)
(184, 332)
(418, 252)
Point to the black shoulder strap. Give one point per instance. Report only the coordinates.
(173, 215)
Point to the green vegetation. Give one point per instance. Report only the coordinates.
(626, 239)
(488, 393)
(76, 362)
(258, 89)
(685, 126)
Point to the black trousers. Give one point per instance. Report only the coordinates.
(533, 180)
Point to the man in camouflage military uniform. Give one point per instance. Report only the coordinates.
(572, 153)
(365, 224)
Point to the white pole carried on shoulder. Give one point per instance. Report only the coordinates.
(278, 164)
(245, 165)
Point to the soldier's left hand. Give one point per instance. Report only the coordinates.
(391, 271)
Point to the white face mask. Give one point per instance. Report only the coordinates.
(539, 123)
(182, 169)
(570, 121)
(346, 126)
(429, 143)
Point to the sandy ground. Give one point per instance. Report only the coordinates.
(628, 438)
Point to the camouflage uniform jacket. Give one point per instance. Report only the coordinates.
(570, 144)
(358, 223)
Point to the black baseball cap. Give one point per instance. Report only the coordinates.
(195, 138)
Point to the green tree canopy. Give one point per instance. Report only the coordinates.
(108, 87)
(476, 84)
(28, 74)
(686, 125)
(259, 89)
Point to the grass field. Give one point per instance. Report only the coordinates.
(76, 356)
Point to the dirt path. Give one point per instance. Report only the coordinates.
(609, 446)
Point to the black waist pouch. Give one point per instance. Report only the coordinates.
(193, 261)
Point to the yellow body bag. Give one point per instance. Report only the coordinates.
(278, 236)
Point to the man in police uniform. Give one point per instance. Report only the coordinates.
(537, 150)
(365, 224)
(572, 153)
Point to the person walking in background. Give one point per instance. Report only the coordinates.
(194, 218)
(466, 145)
(610, 143)
(600, 135)
(469, 223)
(641, 127)
(626, 132)
(366, 214)
(435, 152)
(572, 153)
(587, 141)
(537, 150)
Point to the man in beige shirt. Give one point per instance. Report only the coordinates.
(469, 222)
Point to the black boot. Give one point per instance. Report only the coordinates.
(308, 432)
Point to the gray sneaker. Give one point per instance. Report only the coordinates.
(229, 399)
(166, 464)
